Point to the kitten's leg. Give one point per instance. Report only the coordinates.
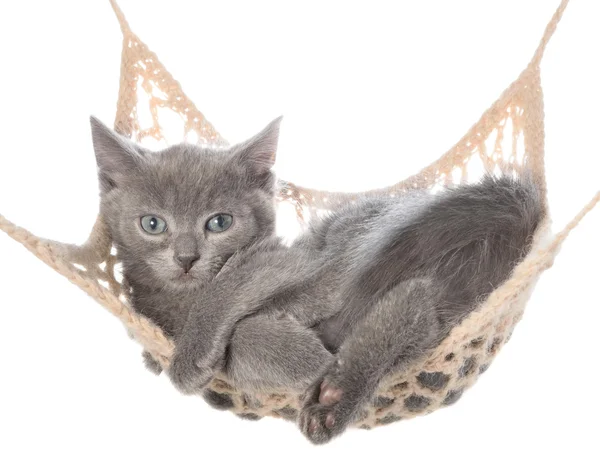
(229, 298)
(270, 353)
(399, 328)
(267, 352)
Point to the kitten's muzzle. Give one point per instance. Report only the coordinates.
(186, 262)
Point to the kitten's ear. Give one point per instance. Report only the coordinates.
(116, 156)
(257, 154)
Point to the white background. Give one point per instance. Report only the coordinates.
(371, 92)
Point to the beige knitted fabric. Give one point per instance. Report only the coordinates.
(510, 134)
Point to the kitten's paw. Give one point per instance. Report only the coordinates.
(195, 363)
(151, 364)
(218, 400)
(329, 406)
(187, 376)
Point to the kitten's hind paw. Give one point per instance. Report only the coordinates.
(329, 406)
(317, 419)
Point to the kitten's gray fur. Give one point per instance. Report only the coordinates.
(377, 283)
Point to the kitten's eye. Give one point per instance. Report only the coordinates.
(219, 223)
(153, 224)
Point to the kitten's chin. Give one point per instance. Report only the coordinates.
(176, 278)
(190, 280)
(185, 279)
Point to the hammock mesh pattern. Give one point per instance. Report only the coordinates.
(509, 135)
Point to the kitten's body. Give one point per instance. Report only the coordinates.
(377, 283)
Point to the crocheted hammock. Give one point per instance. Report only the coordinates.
(510, 134)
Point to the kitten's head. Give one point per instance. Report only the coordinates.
(177, 215)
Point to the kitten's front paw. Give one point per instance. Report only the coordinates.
(188, 376)
(196, 360)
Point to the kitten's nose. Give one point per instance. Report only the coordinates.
(186, 261)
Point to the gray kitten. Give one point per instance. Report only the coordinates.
(377, 283)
